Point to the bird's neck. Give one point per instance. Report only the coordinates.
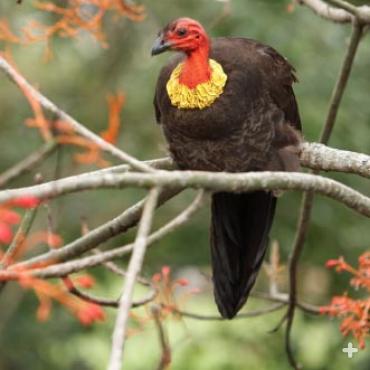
(196, 69)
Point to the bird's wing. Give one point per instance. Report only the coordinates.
(280, 76)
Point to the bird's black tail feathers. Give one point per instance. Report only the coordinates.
(239, 236)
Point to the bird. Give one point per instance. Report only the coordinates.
(227, 105)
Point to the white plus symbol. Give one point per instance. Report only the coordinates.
(350, 350)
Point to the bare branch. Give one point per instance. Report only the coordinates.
(312, 155)
(28, 163)
(19, 238)
(134, 268)
(323, 158)
(114, 303)
(163, 338)
(342, 12)
(113, 267)
(348, 7)
(19, 80)
(341, 83)
(118, 225)
(211, 181)
(66, 268)
(260, 312)
(308, 198)
(284, 298)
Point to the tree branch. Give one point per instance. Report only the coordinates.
(136, 261)
(211, 181)
(323, 158)
(114, 303)
(260, 312)
(28, 163)
(165, 360)
(66, 268)
(19, 80)
(342, 12)
(308, 198)
(118, 225)
(312, 155)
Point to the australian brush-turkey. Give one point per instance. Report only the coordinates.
(227, 104)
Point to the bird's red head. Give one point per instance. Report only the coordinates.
(183, 34)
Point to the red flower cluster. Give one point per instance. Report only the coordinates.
(87, 313)
(9, 217)
(355, 313)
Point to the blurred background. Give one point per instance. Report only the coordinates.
(78, 78)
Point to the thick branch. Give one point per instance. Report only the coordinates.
(323, 158)
(312, 155)
(232, 182)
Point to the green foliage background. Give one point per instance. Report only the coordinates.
(78, 79)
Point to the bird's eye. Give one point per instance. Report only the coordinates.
(181, 32)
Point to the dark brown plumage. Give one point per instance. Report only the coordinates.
(252, 126)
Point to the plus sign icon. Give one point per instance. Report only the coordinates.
(350, 350)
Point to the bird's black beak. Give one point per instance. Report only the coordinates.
(160, 45)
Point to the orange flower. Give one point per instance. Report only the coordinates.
(6, 233)
(90, 313)
(76, 16)
(355, 313)
(340, 264)
(9, 217)
(25, 202)
(85, 281)
(115, 104)
(87, 313)
(6, 34)
(92, 153)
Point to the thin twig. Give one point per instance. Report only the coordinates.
(308, 198)
(19, 80)
(260, 312)
(28, 163)
(140, 245)
(114, 303)
(165, 360)
(341, 83)
(113, 267)
(18, 241)
(284, 298)
(19, 238)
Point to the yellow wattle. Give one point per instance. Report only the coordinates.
(200, 97)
